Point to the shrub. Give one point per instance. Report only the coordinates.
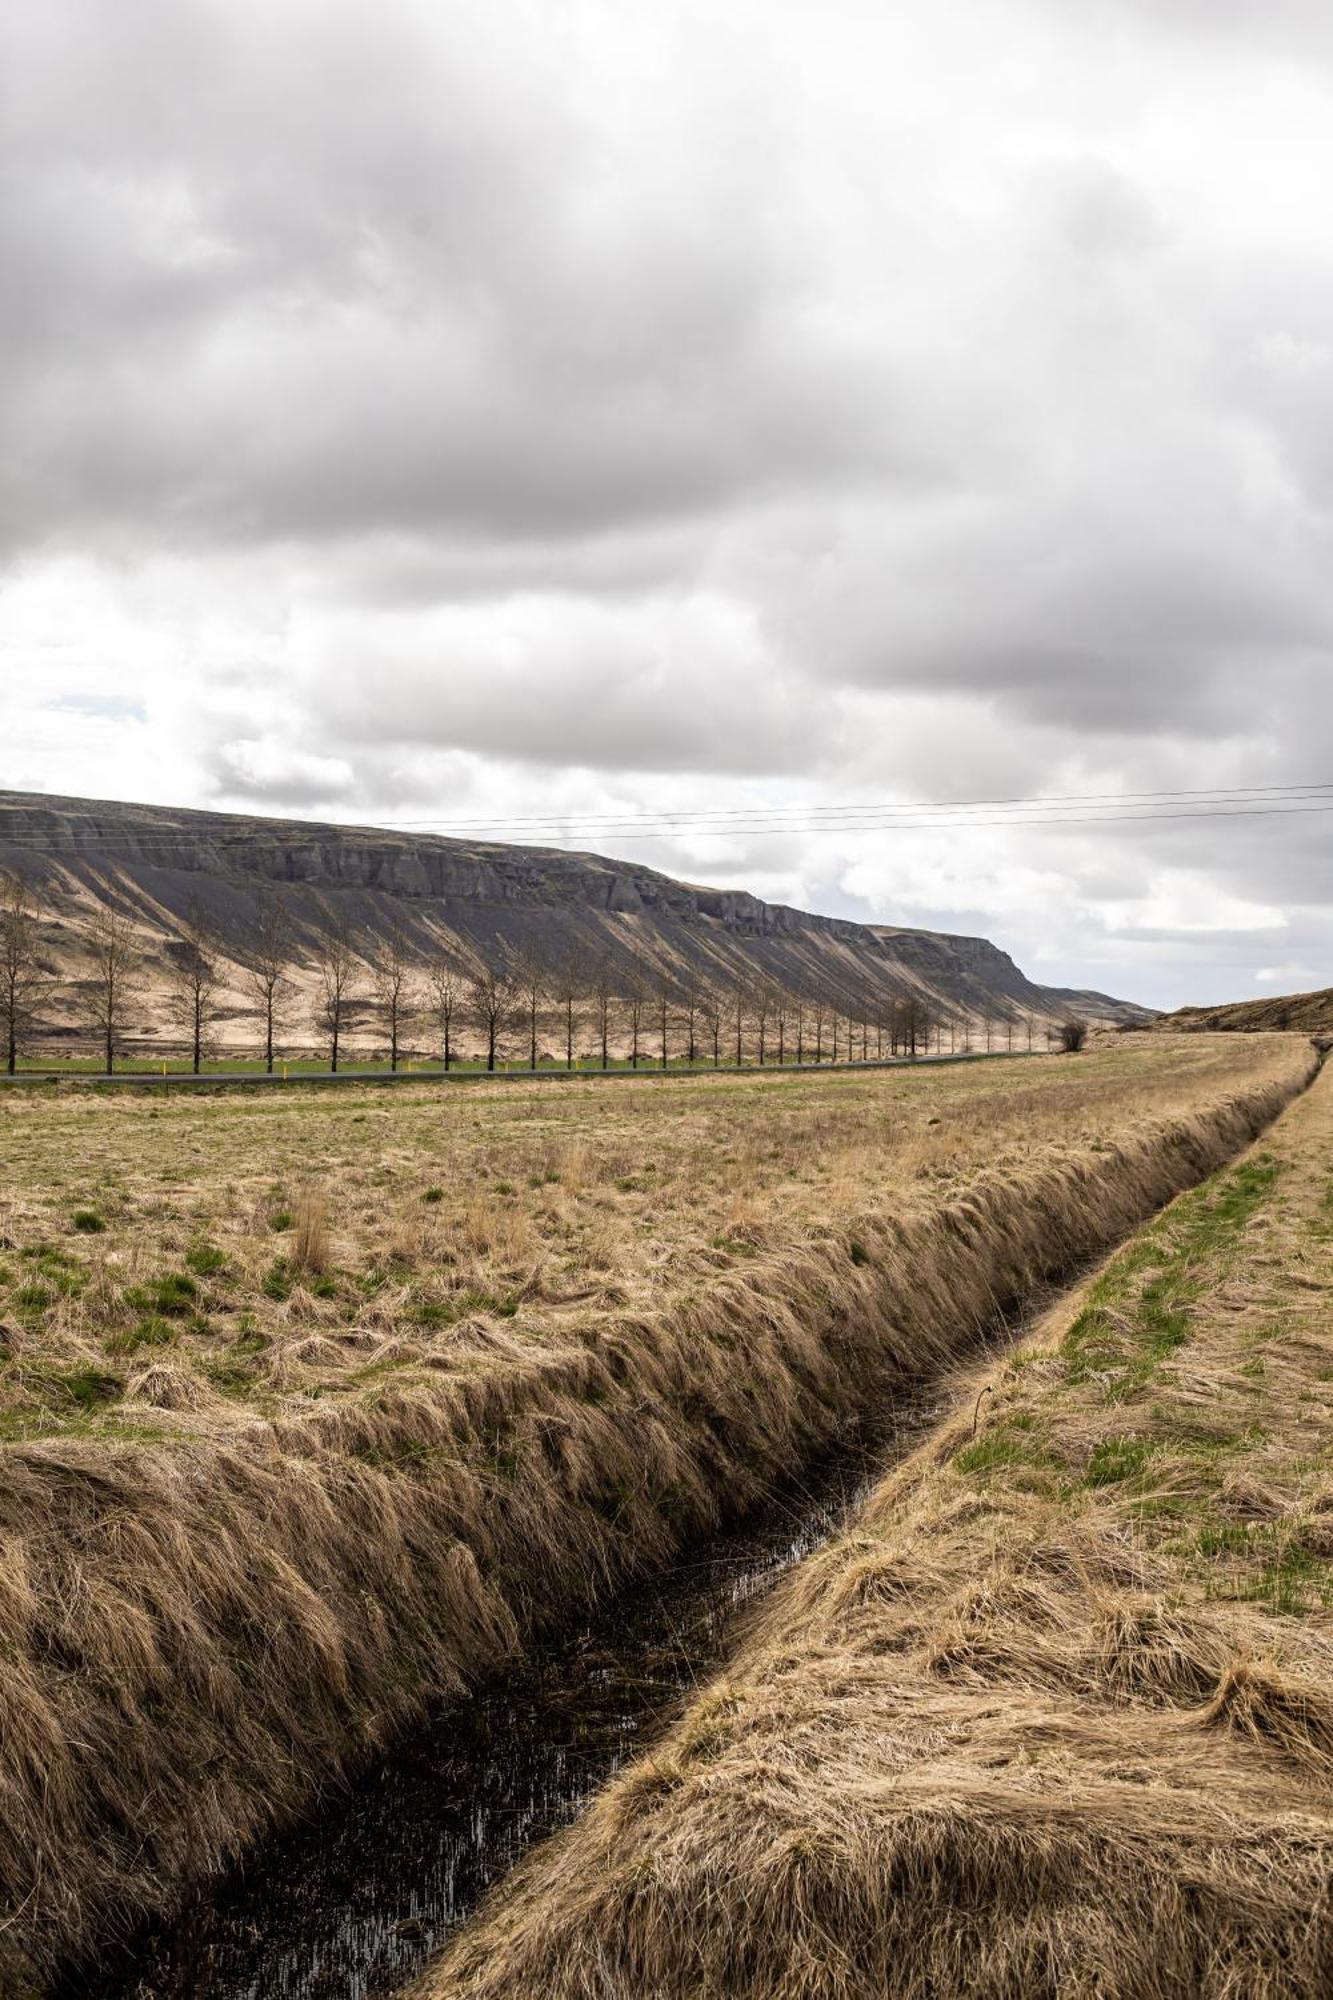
(1071, 1035)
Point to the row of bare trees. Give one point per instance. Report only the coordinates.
(516, 1004)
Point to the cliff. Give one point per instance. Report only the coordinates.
(469, 897)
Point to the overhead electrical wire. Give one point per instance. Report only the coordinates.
(944, 815)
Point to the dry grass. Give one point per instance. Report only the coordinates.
(1055, 1717)
(254, 1515)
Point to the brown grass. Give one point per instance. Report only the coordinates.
(215, 1594)
(310, 1235)
(1055, 1716)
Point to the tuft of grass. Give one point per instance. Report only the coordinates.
(88, 1222)
(152, 1331)
(171, 1295)
(310, 1241)
(1115, 1459)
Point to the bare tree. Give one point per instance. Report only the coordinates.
(394, 967)
(799, 1005)
(763, 1008)
(268, 972)
(635, 1002)
(664, 998)
(566, 987)
(115, 967)
(818, 1011)
(530, 978)
(24, 979)
(193, 980)
(337, 966)
(689, 1008)
(710, 1014)
(603, 999)
(492, 994)
(448, 996)
(738, 1003)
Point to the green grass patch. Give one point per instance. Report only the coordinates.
(1118, 1458)
(151, 1331)
(278, 1280)
(1012, 1441)
(170, 1296)
(1133, 1323)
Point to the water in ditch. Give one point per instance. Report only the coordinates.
(354, 1904)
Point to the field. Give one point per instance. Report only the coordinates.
(1056, 1715)
(313, 1406)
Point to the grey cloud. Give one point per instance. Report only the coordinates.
(523, 402)
(307, 288)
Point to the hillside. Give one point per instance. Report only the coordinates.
(1307, 1013)
(479, 898)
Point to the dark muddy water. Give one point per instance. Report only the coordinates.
(354, 1904)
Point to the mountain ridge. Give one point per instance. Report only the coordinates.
(474, 898)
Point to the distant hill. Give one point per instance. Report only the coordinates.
(1307, 1013)
(482, 898)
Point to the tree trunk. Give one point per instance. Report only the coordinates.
(268, 1034)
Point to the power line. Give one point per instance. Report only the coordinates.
(1128, 809)
(1214, 793)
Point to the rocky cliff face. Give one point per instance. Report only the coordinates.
(469, 897)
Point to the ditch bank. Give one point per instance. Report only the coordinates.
(357, 1902)
(1053, 1716)
(200, 1634)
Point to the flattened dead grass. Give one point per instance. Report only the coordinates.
(1055, 1716)
(255, 1514)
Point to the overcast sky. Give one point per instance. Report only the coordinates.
(441, 411)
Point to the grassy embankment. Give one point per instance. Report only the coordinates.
(1055, 1716)
(312, 1408)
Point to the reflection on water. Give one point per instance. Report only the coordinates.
(354, 1903)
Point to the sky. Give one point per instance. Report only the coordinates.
(568, 416)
